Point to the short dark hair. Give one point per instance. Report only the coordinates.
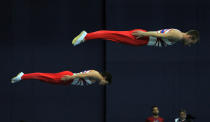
(107, 76)
(182, 110)
(195, 34)
(154, 106)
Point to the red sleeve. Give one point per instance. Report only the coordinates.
(162, 120)
(148, 119)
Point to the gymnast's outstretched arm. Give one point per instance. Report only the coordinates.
(174, 34)
(92, 74)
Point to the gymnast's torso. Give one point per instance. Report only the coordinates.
(83, 81)
(161, 42)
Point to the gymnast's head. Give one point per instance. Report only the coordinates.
(155, 110)
(182, 114)
(107, 78)
(191, 37)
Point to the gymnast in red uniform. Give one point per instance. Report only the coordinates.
(66, 77)
(155, 115)
(139, 37)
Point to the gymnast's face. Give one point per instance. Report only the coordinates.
(103, 82)
(189, 40)
(155, 111)
(182, 115)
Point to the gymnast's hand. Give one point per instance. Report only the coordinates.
(67, 78)
(138, 34)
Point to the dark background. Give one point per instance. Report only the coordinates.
(36, 36)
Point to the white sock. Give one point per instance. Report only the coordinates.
(17, 78)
